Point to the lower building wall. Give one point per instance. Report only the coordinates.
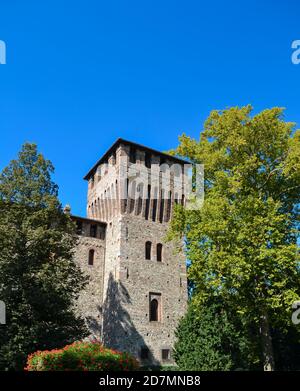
(89, 304)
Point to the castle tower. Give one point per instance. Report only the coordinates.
(132, 191)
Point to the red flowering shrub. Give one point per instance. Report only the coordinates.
(81, 356)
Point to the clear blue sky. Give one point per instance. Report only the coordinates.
(79, 74)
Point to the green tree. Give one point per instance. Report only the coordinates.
(213, 338)
(242, 243)
(39, 281)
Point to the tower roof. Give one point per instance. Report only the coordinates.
(138, 146)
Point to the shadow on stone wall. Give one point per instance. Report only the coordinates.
(119, 331)
(95, 324)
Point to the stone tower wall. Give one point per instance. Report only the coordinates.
(127, 283)
(138, 279)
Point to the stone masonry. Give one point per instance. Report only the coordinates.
(138, 287)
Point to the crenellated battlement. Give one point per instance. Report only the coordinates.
(133, 179)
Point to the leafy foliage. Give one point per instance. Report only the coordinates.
(243, 243)
(213, 338)
(81, 356)
(39, 280)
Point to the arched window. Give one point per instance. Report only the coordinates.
(148, 250)
(159, 252)
(154, 310)
(91, 257)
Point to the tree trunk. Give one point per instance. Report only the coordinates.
(267, 346)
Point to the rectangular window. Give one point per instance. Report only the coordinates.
(93, 230)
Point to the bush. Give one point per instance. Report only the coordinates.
(81, 356)
(212, 338)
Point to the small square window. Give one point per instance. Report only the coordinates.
(165, 354)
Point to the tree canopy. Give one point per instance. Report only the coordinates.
(39, 281)
(242, 244)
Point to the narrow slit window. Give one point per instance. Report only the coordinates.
(148, 250)
(159, 252)
(91, 257)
